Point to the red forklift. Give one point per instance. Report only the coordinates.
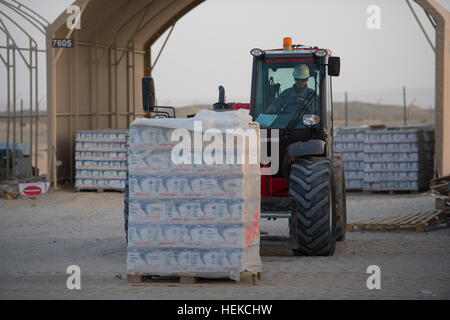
(291, 98)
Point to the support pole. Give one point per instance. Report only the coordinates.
(441, 17)
(51, 111)
(116, 89)
(404, 107)
(30, 70)
(8, 76)
(133, 73)
(36, 110)
(21, 121)
(14, 110)
(346, 109)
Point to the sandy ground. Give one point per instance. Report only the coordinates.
(40, 238)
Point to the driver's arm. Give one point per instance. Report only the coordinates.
(277, 104)
(313, 106)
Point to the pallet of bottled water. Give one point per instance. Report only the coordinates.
(189, 217)
(398, 158)
(350, 143)
(101, 159)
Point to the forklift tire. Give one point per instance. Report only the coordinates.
(125, 211)
(341, 215)
(312, 225)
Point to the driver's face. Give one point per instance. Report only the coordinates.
(301, 82)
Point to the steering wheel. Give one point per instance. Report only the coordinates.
(291, 107)
(287, 108)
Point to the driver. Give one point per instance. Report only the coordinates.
(296, 95)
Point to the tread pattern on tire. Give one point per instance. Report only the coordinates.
(341, 213)
(309, 183)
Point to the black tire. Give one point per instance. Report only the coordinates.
(341, 213)
(125, 211)
(313, 222)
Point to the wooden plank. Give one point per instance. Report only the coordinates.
(245, 278)
(378, 220)
(393, 219)
(436, 181)
(425, 218)
(99, 190)
(416, 218)
(400, 218)
(188, 280)
(420, 228)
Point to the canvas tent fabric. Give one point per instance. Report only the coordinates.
(97, 83)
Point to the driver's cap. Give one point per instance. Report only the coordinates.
(301, 71)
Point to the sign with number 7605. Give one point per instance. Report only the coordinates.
(62, 43)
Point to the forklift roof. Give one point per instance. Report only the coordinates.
(294, 51)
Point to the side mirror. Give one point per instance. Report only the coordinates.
(148, 94)
(334, 66)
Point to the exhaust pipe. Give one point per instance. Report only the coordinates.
(221, 105)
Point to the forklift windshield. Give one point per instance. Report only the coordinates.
(287, 89)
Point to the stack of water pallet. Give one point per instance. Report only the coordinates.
(189, 221)
(350, 143)
(398, 159)
(428, 135)
(101, 159)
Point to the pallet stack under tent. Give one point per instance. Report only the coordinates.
(191, 220)
(350, 143)
(101, 159)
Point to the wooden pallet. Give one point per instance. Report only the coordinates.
(393, 191)
(98, 189)
(439, 181)
(441, 186)
(443, 203)
(421, 222)
(353, 189)
(9, 195)
(246, 278)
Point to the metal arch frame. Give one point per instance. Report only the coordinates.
(32, 64)
(171, 23)
(26, 16)
(44, 21)
(421, 26)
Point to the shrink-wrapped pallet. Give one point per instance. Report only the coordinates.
(196, 218)
(350, 143)
(398, 158)
(101, 159)
(387, 159)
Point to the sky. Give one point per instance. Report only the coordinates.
(210, 47)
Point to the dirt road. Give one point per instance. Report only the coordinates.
(40, 238)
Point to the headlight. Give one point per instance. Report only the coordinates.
(256, 52)
(321, 53)
(310, 119)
